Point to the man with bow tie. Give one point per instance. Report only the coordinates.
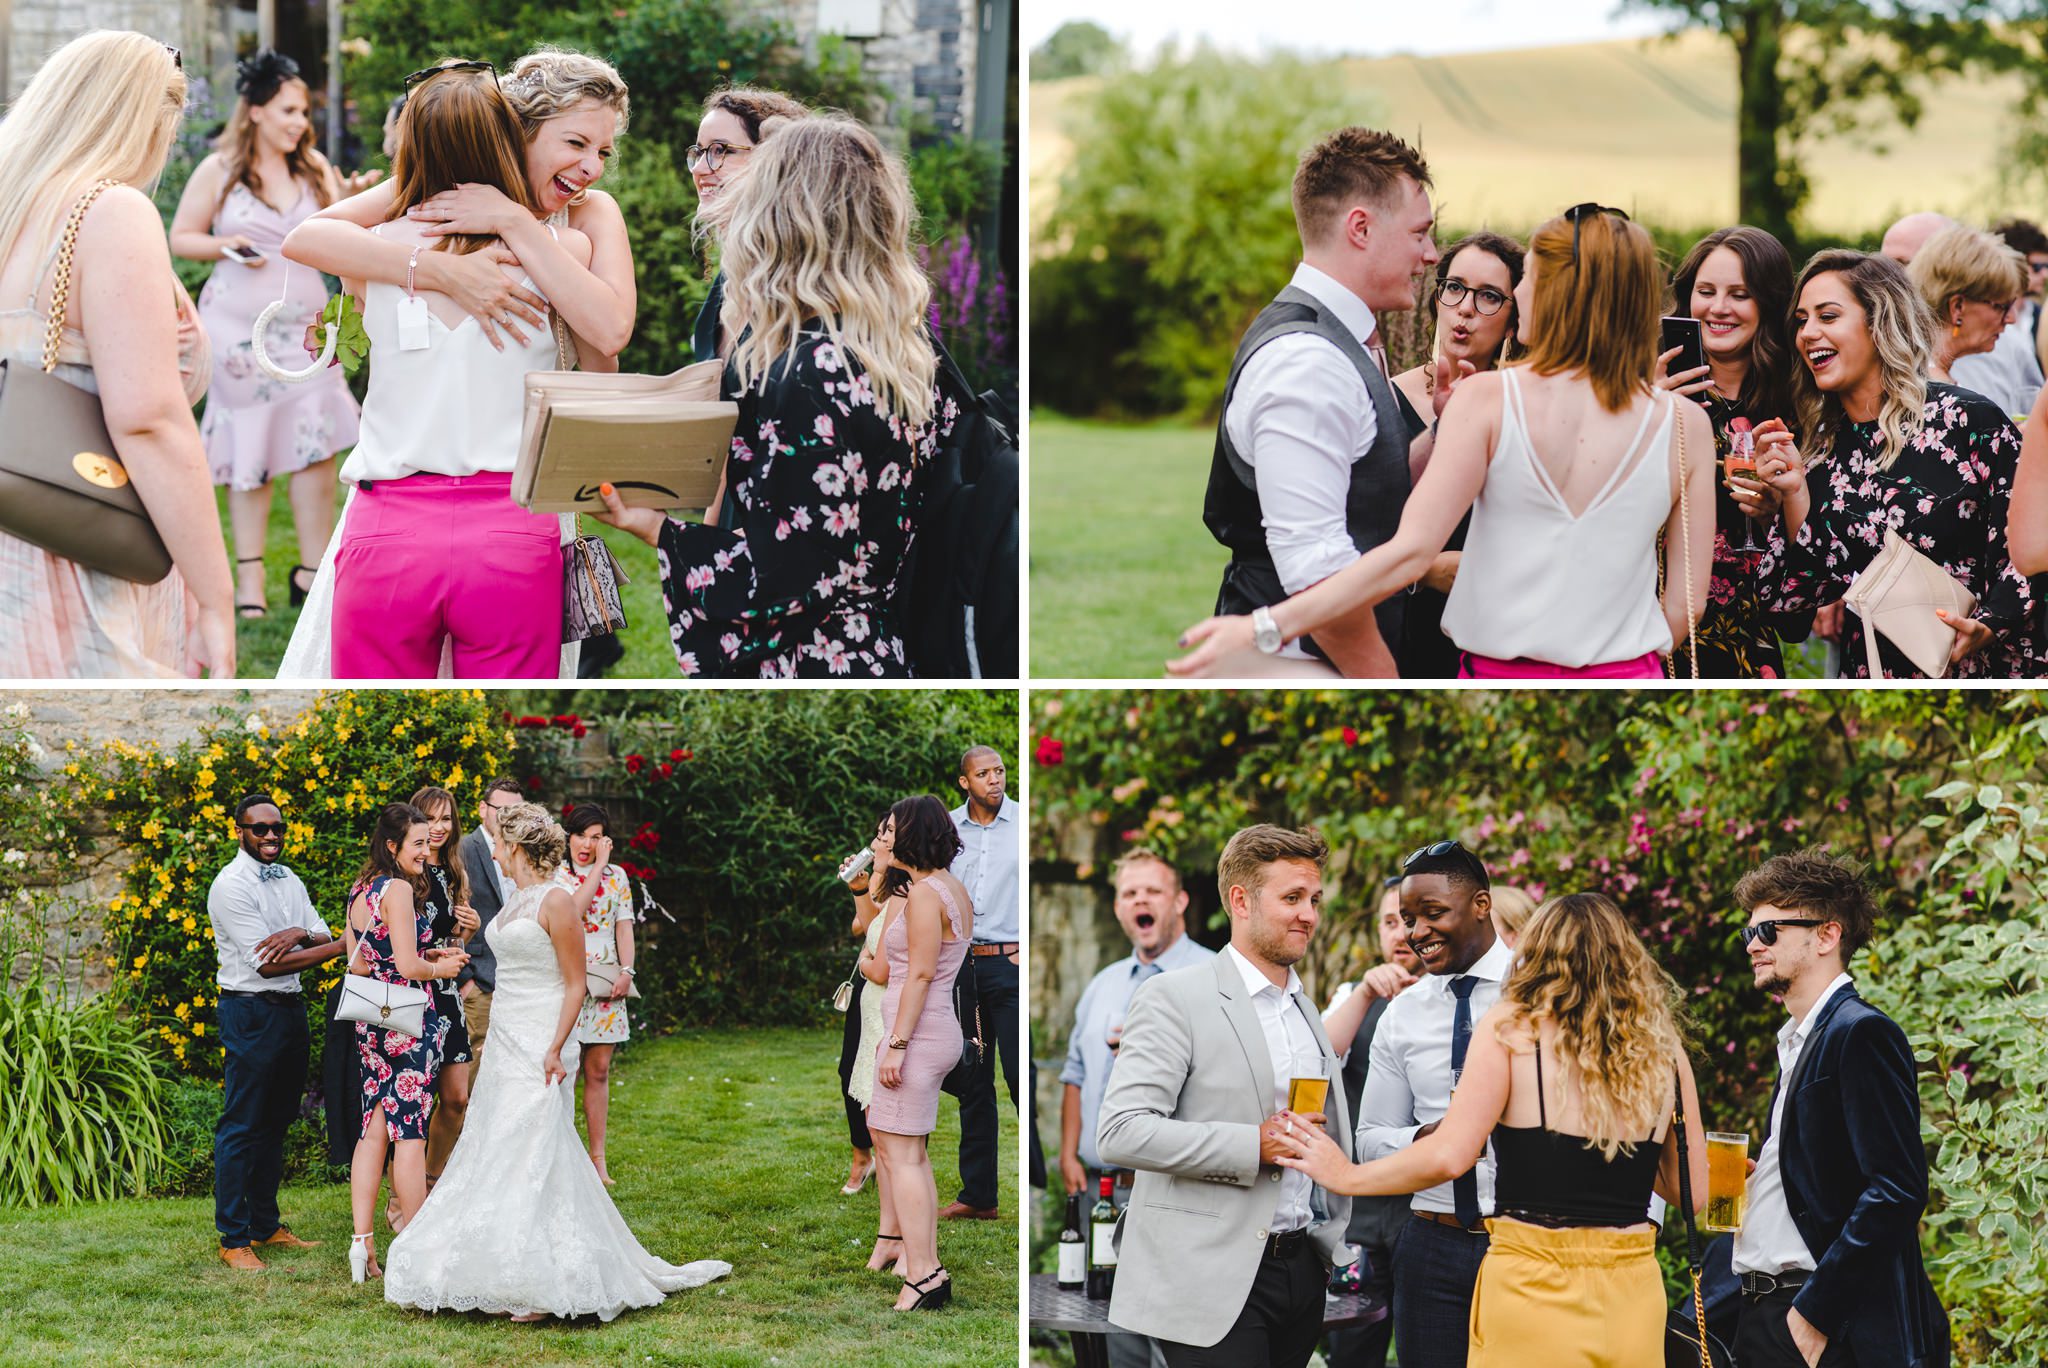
(266, 933)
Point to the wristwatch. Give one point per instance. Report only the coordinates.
(1265, 632)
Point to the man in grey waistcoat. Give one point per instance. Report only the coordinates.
(1312, 465)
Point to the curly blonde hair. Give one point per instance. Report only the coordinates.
(550, 81)
(820, 229)
(1582, 969)
(529, 829)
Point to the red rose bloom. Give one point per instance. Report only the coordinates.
(679, 755)
(635, 763)
(1050, 751)
(664, 769)
(1351, 736)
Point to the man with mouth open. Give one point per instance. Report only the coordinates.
(266, 933)
(1151, 907)
(1417, 1054)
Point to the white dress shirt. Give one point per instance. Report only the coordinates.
(1409, 1082)
(1281, 1016)
(1769, 1242)
(1104, 1004)
(244, 907)
(1300, 417)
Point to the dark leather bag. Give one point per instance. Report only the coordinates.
(1686, 1338)
(62, 487)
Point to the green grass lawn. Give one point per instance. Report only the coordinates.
(727, 1145)
(260, 642)
(1120, 561)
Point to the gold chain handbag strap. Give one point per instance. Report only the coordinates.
(1692, 618)
(60, 290)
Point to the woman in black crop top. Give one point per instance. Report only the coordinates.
(1572, 1075)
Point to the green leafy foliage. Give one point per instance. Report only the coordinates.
(352, 347)
(1079, 47)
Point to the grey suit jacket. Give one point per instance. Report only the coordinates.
(483, 896)
(1192, 1083)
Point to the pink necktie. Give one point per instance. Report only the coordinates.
(1378, 350)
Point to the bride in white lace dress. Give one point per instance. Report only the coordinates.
(520, 1222)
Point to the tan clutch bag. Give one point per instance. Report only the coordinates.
(1896, 596)
(62, 487)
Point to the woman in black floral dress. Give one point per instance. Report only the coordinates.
(1738, 283)
(839, 412)
(1895, 452)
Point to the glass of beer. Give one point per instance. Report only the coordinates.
(1308, 1086)
(1727, 1180)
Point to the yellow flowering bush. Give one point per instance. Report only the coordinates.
(330, 769)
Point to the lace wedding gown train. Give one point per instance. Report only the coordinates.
(520, 1221)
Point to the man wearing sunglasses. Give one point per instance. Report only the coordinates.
(1417, 1054)
(1829, 1250)
(266, 933)
(1311, 462)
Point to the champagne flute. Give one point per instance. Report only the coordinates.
(1741, 463)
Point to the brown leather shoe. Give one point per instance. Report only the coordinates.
(283, 1236)
(960, 1211)
(241, 1257)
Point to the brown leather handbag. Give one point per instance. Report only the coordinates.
(62, 487)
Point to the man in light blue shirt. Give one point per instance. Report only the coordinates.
(987, 866)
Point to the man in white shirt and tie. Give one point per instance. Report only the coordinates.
(1223, 1256)
(1417, 1053)
(1311, 463)
(265, 932)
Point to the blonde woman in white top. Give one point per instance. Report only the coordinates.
(104, 107)
(1570, 465)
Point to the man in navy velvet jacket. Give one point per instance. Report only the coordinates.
(1829, 1252)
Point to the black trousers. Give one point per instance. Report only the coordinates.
(1435, 1270)
(1280, 1323)
(849, 1047)
(1366, 1346)
(995, 988)
(1763, 1340)
(263, 1080)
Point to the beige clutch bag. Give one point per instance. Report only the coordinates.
(1896, 596)
(660, 440)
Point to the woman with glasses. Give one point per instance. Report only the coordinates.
(433, 556)
(1573, 1075)
(839, 413)
(1895, 452)
(734, 123)
(102, 112)
(1475, 330)
(1973, 282)
(1738, 283)
(1573, 466)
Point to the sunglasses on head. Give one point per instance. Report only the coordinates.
(1579, 213)
(1767, 931)
(263, 828)
(427, 72)
(1430, 852)
(177, 57)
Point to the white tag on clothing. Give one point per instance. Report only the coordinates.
(414, 333)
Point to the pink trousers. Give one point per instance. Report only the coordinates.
(434, 558)
(1470, 666)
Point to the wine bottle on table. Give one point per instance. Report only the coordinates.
(1102, 1243)
(1073, 1249)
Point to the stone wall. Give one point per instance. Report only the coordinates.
(922, 50)
(30, 30)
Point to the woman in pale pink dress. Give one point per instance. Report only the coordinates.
(105, 107)
(265, 180)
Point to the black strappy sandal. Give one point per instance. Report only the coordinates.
(299, 591)
(885, 1267)
(251, 612)
(930, 1299)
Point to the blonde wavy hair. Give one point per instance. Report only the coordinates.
(1580, 967)
(105, 106)
(550, 81)
(1901, 328)
(529, 828)
(820, 229)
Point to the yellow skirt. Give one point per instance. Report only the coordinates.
(1585, 1298)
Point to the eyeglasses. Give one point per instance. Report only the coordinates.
(1579, 213)
(177, 57)
(1430, 852)
(1485, 298)
(714, 154)
(426, 72)
(1767, 931)
(263, 828)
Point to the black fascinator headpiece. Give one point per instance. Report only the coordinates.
(258, 76)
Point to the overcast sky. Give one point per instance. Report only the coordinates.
(1365, 28)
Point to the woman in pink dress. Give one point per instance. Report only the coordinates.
(266, 178)
(923, 947)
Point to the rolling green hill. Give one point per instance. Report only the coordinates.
(1645, 124)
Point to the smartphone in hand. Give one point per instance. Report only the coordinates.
(1689, 337)
(248, 256)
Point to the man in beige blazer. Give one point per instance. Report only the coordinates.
(1223, 1256)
